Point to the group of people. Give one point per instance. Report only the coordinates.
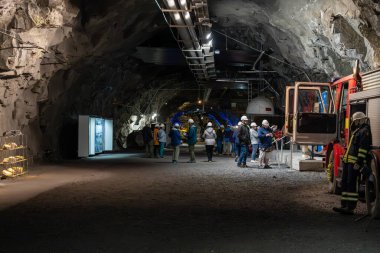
(258, 138)
(237, 140)
(154, 142)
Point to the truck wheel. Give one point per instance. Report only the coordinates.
(333, 185)
(372, 189)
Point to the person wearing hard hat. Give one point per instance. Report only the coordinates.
(355, 162)
(244, 141)
(192, 140)
(254, 140)
(176, 140)
(209, 135)
(161, 139)
(265, 135)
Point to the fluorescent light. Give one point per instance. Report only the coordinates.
(177, 16)
(208, 36)
(209, 43)
(171, 3)
(187, 15)
(183, 2)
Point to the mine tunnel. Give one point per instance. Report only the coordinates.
(189, 126)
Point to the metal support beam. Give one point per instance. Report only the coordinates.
(176, 10)
(181, 26)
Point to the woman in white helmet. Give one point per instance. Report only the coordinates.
(209, 135)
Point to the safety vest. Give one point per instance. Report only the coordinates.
(359, 146)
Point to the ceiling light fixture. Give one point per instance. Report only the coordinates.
(183, 2)
(187, 15)
(208, 36)
(177, 16)
(171, 3)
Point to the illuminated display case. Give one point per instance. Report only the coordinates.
(95, 135)
(13, 154)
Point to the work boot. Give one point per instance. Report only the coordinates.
(343, 210)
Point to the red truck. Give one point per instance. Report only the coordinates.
(320, 114)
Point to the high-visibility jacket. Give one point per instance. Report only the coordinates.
(359, 146)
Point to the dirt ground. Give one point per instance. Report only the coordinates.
(124, 203)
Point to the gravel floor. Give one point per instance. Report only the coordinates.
(151, 205)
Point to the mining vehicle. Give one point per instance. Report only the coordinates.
(320, 114)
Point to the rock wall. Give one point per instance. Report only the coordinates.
(322, 37)
(58, 57)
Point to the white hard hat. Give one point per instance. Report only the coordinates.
(358, 116)
(191, 121)
(221, 126)
(253, 124)
(240, 123)
(176, 125)
(209, 124)
(265, 122)
(162, 125)
(157, 125)
(243, 118)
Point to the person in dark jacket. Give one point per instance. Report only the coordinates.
(148, 141)
(244, 141)
(265, 135)
(176, 140)
(192, 140)
(219, 139)
(354, 163)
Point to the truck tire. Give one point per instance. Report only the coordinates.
(333, 182)
(372, 188)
